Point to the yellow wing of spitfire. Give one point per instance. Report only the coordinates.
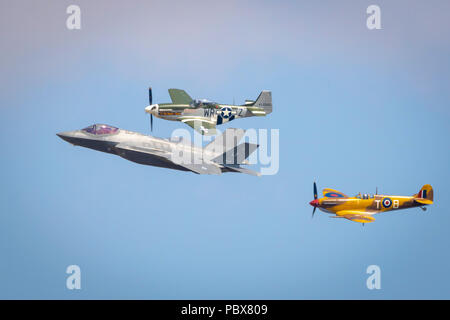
(362, 207)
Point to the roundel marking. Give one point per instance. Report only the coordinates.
(225, 112)
(333, 195)
(387, 202)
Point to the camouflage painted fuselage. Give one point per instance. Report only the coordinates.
(362, 207)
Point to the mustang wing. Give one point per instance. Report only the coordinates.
(202, 126)
(179, 96)
(356, 216)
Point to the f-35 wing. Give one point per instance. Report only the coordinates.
(202, 126)
(152, 156)
(356, 216)
(142, 155)
(179, 96)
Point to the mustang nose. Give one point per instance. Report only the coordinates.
(153, 109)
(314, 203)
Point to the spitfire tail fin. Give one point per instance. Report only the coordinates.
(264, 101)
(425, 195)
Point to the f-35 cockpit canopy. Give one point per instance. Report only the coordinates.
(100, 129)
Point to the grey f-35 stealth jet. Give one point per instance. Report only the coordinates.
(221, 155)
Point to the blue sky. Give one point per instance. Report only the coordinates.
(356, 109)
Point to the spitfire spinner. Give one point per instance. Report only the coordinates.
(204, 115)
(362, 207)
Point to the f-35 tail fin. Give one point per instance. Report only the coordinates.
(226, 141)
(236, 155)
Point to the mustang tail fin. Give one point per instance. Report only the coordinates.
(263, 104)
(425, 195)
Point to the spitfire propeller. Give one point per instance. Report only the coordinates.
(315, 202)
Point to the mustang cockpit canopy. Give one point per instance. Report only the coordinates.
(100, 129)
(200, 103)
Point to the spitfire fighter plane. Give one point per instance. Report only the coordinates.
(204, 115)
(362, 207)
(221, 155)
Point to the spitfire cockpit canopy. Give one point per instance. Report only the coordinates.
(100, 129)
(200, 103)
(364, 196)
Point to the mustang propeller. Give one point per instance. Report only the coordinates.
(315, 202)
(150, 100)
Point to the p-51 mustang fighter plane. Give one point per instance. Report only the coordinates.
(362, 207)
(221, 155)
(204, 115)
